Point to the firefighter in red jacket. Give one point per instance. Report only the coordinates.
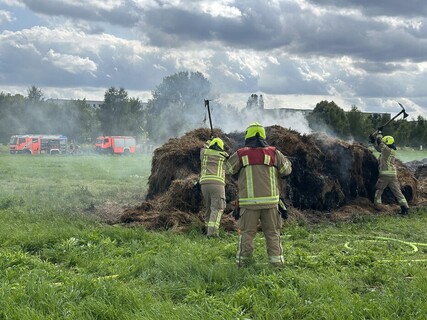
(387, 172)
(212, 181)
(259, 167)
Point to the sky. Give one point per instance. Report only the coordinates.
(371, 54)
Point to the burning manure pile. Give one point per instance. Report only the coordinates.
(329, 176)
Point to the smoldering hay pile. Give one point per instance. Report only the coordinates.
(330, 177)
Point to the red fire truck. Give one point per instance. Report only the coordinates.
(38, 143)
(115, 144)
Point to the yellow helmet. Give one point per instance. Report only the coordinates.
(388, 140)
(218, 142)
(253, 129)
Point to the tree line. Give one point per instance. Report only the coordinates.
(176, 106)
(357, 125)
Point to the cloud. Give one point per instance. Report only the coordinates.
(379, 7)
(111, 11)
(254, 24)
(5, 16)
(61, 51)
(301, 28)
(362, 52)
(70, 63)
(17, 3)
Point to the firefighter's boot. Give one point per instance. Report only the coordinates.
(404, 211)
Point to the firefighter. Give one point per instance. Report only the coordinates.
(259, 167)
(387, 172)
(212, 182)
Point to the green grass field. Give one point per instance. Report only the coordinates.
(58, 261)
(407, 154)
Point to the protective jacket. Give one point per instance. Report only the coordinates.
(388, 175)
(213, 170)
(259, 170)
(386, 159)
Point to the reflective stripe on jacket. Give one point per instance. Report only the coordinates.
(258, 180)
(212, 170)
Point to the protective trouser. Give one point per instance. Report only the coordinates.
(392, 182)
(214, 201)
(271, 223)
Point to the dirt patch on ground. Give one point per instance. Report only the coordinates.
(331, 179)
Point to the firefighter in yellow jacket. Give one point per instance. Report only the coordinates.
(259, 167)
(387, 172)
(212, 181)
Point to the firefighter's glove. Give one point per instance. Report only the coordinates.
(283, 210)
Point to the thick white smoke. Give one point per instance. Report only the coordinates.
(294, 120)
(257, 109)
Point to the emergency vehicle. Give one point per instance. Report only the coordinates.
(38, 144)
(115, 144)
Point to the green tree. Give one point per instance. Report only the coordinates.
(359, 127)
(330, 118)
(76, 119)
(37, 115)
(132, 120)
(417, 135)
(120, 115)
(177, 105)
(378, 119)
(110, 111)
(87, 123)
(401, 131)
(11, 116)
(34, 94)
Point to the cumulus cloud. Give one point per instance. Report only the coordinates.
(70, 63)
(361, 52)
(5, 16)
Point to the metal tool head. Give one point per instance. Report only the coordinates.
(405, 115)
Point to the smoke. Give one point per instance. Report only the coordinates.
(22, 115)
(294, 120)
(181, 117)
(237, 118)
